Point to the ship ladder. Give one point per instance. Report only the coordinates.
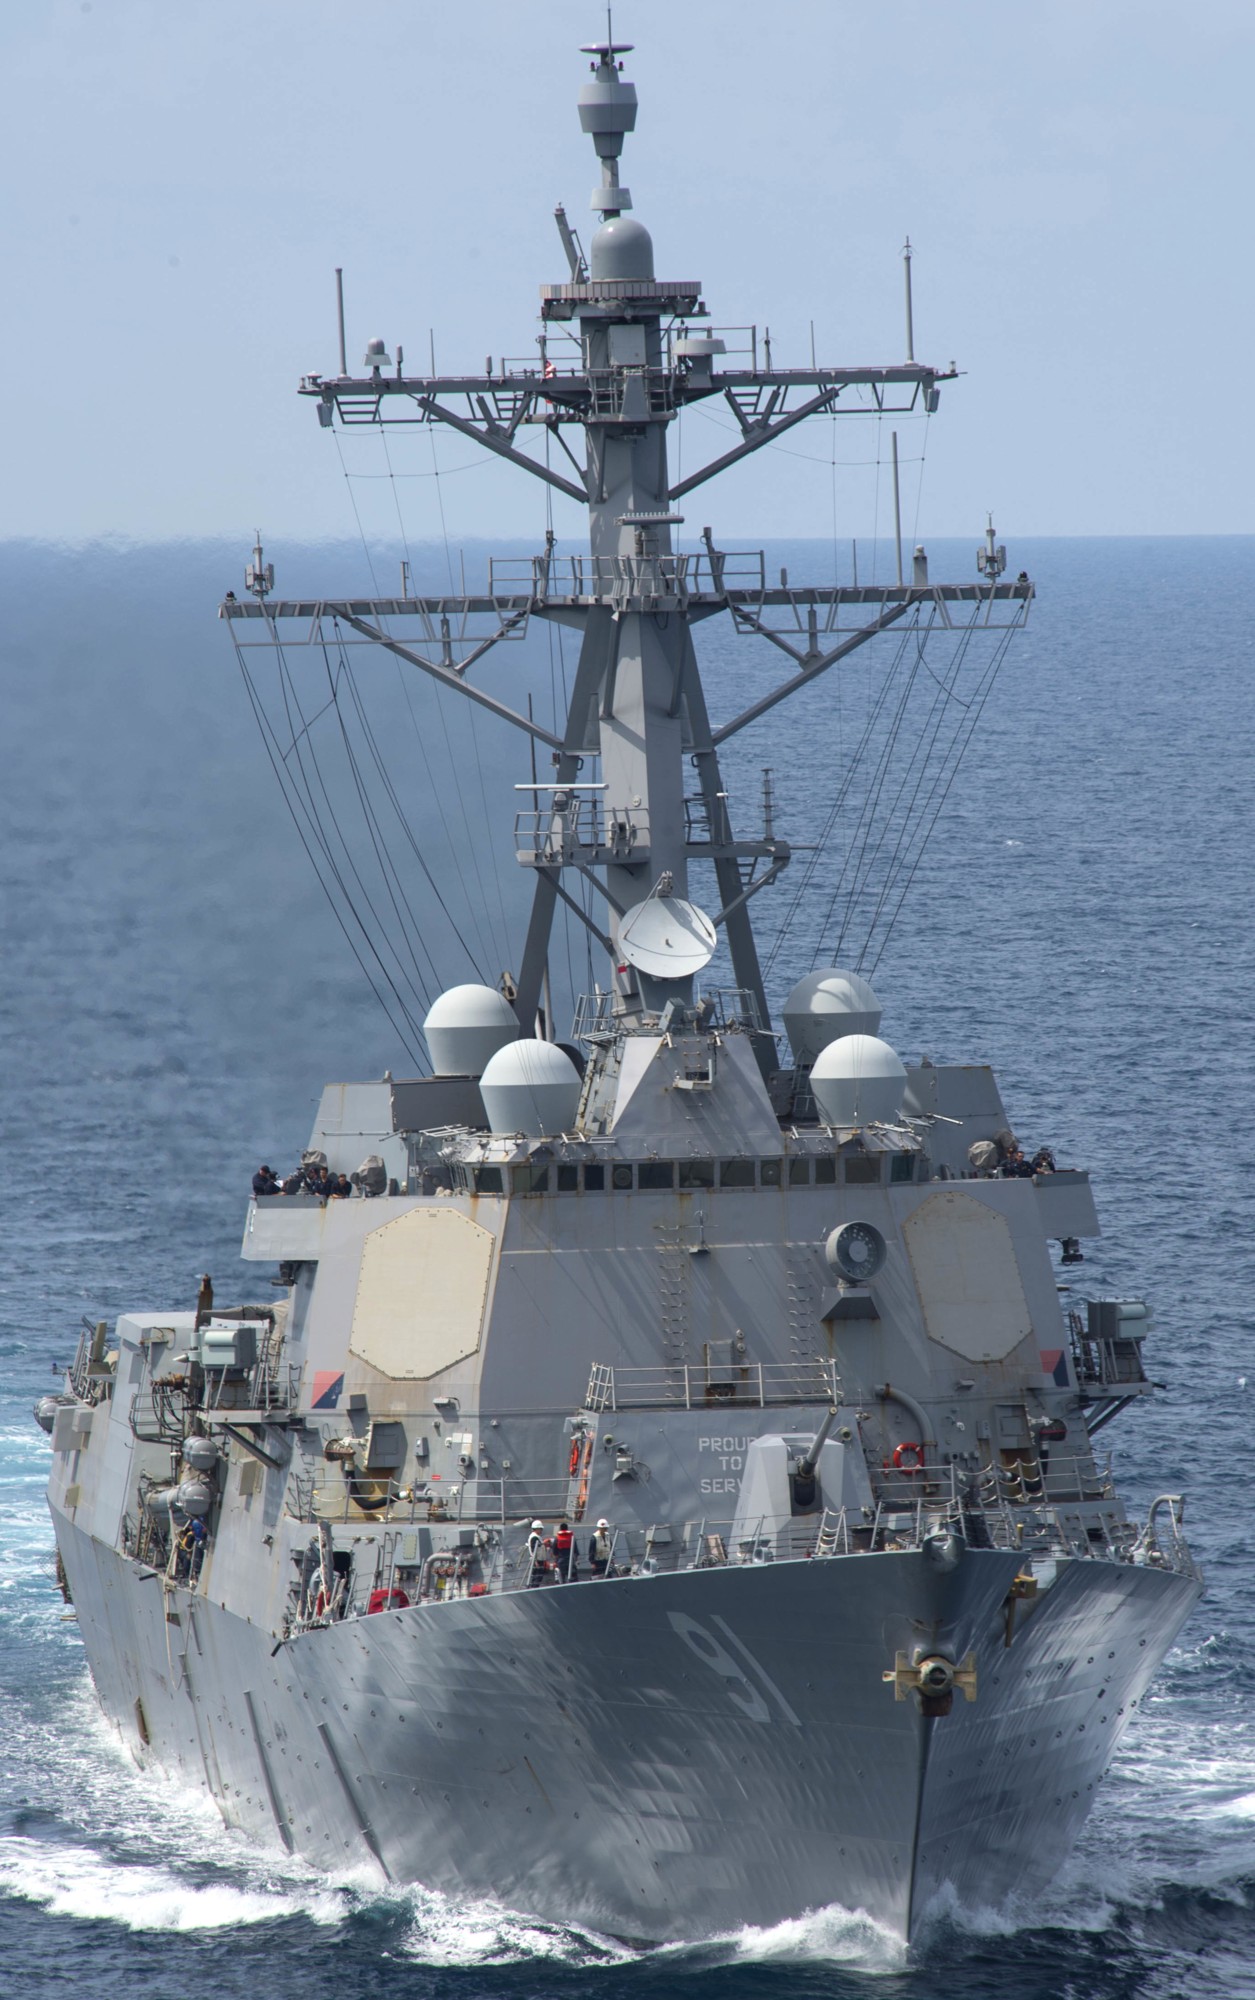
(831, 1533)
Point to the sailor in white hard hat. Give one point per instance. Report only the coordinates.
(536, 1564)
(599, 1548)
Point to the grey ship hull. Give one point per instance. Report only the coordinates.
(657, 1757)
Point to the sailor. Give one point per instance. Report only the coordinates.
(599, 1548)
(1043, 1161)
(536, 1564)
(265, 1182)
(564, 1553)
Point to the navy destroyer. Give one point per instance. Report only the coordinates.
(664, 1495)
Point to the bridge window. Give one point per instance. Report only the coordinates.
(862, 1169)
(621, 1176)
(530, 1179)
(736, 1173)
(799, 1173)
(594, 1177)
(901, 1166)
(568, 1177)
(825, 1171)
(488, 1180)
(653, 1174)
(697, 1173)
(769, 1173)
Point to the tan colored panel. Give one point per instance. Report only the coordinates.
(421, 1293)
(967, 1276)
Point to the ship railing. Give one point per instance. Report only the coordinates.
(1103, 1362)
(595, 1017)
(89, 1374)
(1161, 1543)
(713, 1384)
(159, 1411)
(608, 578)
(272, 1386)
(329, 1495)
(585, 830)
(488, 1558)
(734, 1007)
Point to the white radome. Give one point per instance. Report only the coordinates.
(531, 1087)
(858, 1080)
(465, 1027)
(826, 1005)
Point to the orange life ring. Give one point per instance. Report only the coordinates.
(917, 1458)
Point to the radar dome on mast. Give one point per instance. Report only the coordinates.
(621, 248)
(824, 1006)
(465, 1027)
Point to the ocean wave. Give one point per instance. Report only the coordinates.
(834, 1935)
(74, 1881)
(442, 1932)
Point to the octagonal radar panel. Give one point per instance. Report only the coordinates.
(667, 938)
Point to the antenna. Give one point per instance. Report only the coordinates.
(910, 316)
(991, 560)
(259, 577)
(571, 244)
(897, 507)
(344, 359)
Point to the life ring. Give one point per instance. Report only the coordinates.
(916, 1452)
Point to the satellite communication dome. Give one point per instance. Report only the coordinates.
(531, 1087)
(465, 1027)
(621, 248)
(858, 1080)
(825, 1005)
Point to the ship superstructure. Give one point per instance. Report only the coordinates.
(867, 1617)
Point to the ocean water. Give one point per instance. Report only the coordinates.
(174, 990)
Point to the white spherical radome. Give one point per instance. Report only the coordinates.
(531, 1087)
(858, 1080)
(826, 1005)
(465, 1027)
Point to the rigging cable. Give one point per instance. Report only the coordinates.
(559, 723)
(348, 480)
(383, 859)
(290, 699)
(486, 950)
(920, 761)
(921, 749)
(398, 808)
(270, 744)
(977, 708)
(817, 854)
(472, 844)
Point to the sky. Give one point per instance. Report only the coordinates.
(182, 181)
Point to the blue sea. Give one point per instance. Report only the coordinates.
(175, 988)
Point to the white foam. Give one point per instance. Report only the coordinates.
(444, 1932)
(78, 1882)
(832, 1936)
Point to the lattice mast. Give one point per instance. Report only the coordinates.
(637, 703)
